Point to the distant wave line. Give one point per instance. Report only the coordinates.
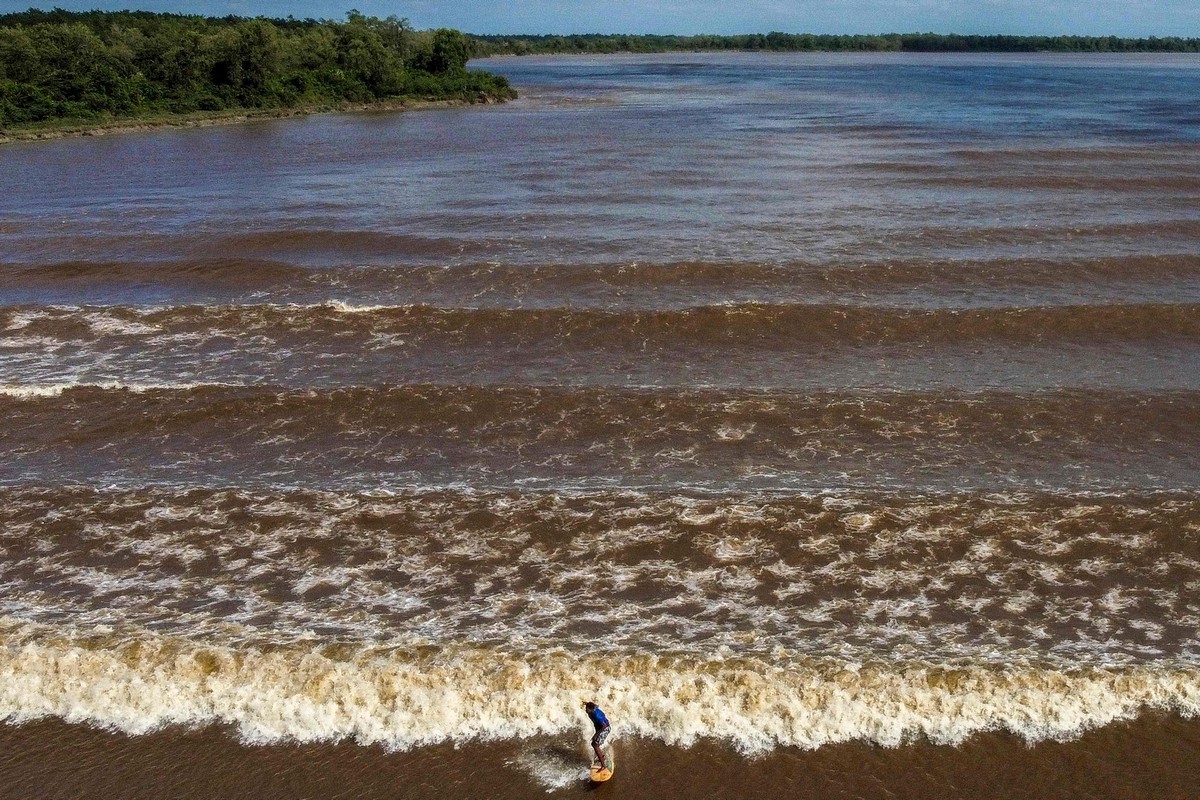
(757, 324)
(230, 273)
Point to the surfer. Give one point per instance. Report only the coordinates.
(602, 728)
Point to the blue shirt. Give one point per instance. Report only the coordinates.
(598, 719)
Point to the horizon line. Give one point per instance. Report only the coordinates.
(516, 34)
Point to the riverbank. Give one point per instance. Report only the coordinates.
(69, 128)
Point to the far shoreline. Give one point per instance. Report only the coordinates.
(77, 128)
(80, 128)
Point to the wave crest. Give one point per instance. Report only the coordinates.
(403, 699)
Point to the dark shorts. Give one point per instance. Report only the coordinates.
(601, 737)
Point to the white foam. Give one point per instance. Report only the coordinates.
(23, 319)
(860, 521)
(33, 391)
(1096, 566)
(400, 699)
(343, 307)
(731, 433)
(109, 324)
(553, 768)
(736, 548)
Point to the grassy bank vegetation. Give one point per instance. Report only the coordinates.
(69, 69)
(798, 42)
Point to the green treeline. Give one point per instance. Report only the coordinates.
(797, 42)
(100, 65)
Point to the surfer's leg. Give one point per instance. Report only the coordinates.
(597, 742)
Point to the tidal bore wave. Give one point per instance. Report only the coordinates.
(304, 692)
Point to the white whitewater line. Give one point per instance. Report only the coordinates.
(357, 308)
(403, 700)
(38, 390)
(552, 768)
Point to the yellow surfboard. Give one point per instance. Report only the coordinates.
(601, 774)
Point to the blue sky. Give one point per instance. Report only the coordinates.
(1089, 17)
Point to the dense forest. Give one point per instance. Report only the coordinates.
(794, 42)
(57, 65)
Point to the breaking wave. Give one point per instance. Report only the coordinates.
(404, 699)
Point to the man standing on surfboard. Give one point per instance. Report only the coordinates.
(602, 728)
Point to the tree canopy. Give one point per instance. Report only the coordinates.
(60, 64)
(794, 42)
